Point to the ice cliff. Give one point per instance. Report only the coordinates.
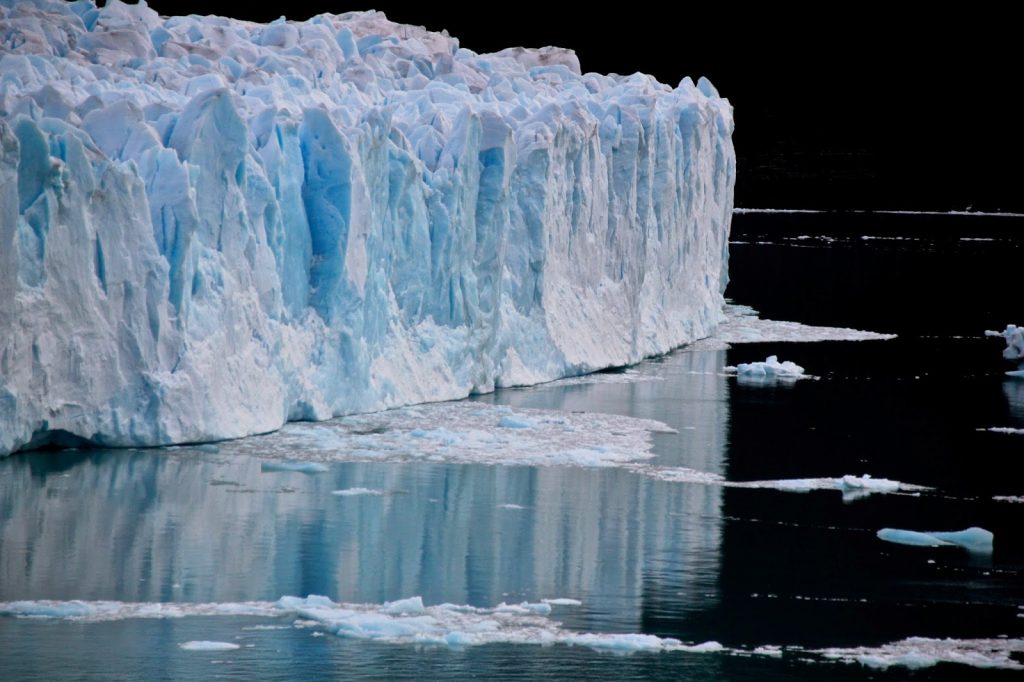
(209, 227)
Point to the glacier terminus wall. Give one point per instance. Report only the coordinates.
(209, 227)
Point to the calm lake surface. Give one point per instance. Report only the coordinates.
(696, 562)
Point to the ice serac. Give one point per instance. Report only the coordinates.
(209, 227)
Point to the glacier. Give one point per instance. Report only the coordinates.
(209, 227)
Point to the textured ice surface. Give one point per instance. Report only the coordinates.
(974, 539)
(209, 227)
(407, 621)
(463, 433)
(742, 325)
(767, 372)
(206, 645)
(924, 652)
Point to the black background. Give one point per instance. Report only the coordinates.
(835, 108)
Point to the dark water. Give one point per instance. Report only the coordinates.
(694, 562)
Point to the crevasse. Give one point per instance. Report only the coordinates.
(209, 227)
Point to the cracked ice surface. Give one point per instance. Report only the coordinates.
(209, 227)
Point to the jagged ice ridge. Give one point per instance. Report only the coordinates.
(209, 227)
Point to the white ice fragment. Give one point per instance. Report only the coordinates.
(769, 371)
(404, 607)
(924, 652)
(1004, 429)
(742, 325)
(973, 539)
(206, 645)
(563, 601)
(352, 492)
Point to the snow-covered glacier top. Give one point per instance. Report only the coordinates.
(209, 226)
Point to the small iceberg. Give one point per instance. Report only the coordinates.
(1014, 350)
(973, 539)
(769, 371)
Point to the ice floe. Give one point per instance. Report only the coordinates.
(205, 645)
(771, 371)
(406, 621)
(974, 539)
(924, 652)
(353, 492)
(742, 325)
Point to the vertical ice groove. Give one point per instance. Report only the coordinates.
(209, 227)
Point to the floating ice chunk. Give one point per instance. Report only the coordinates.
(206, 645)
(510, 506)
(1014, 337)
(768, 650)
(352, 492)
(298, 467)
(868, 484)
(563, 601)
(1004, 429)
(1018, 499)
(852, 487)
(404, 607)
(973, 539)
(769, 371)
(742, 325)
(623, 643)
(924, 652)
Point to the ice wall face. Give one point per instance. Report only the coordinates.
(209, 227)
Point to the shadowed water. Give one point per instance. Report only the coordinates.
(690, 561)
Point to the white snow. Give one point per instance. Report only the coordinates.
(210, 227)
(973, 539)
(206, 645)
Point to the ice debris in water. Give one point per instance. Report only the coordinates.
(1014, 350)
(405, 621)
(924, 652)
(259, 223)
(353, 492)
(742, 325)
(973, 539)
(768, 371)
(852, 487)
(206, 645)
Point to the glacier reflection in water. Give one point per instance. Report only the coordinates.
(206, 524)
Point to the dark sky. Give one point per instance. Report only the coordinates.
(866, 109)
